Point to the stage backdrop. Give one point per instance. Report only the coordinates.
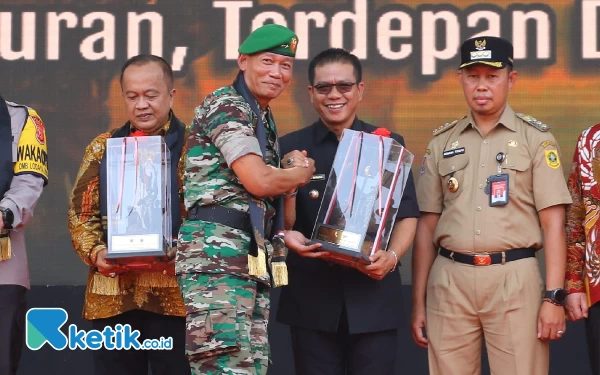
(63, 58)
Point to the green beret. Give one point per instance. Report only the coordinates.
(272, 38)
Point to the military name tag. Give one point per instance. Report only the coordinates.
(498, 190)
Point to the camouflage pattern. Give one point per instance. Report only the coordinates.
(213, 248)
(223, 130)
(226, 324)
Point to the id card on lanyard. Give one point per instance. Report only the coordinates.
(498, 189)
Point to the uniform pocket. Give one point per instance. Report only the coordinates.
(517, 173)
(453, 167)
(211, 333)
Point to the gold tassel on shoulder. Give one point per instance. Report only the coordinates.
(156, 280)
(105, 286)
(257, 265)
(5, 250)
(280, 274)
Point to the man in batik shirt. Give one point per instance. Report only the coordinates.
(583, 255)
(148, 301)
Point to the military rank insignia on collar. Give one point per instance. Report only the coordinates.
(445, 127)
(533, 122)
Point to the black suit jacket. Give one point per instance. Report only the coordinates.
(318, 290)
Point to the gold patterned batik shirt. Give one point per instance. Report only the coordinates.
(105, 296)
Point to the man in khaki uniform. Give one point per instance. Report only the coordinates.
(491, 187)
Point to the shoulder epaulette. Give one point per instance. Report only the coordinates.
(533, 122)
(446, 126)
(13, 104)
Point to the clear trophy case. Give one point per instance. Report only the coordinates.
(139, 198)
(362, 196)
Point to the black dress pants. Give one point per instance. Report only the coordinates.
(13, 307)
(592, 328)
(136, 362)
(340, 353)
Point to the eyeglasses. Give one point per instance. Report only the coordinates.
(342, 87)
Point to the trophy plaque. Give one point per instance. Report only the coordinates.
(362, 197)
(139, 199)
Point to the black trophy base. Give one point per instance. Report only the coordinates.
(340, 255)
(138, 259)
(343, 246)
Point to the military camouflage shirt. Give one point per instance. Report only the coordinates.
(223, 130)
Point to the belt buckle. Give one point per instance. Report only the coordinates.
(482, 260)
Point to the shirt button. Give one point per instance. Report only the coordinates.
(478, 208)
(452, 167)
(512, 165)
(481, 186)
(486, 142)
(477, 231)
(483, 164)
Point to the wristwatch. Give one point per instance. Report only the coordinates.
(556, 296)
(7, 217)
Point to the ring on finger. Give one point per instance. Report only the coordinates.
(289, 161)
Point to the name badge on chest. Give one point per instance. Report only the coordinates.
(453, 152)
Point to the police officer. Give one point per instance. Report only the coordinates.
(23, 175)
(227, 256)
(491, 187)
(342, 320)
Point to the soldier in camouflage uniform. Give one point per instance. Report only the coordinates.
(225, 264)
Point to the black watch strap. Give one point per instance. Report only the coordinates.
(556, 296)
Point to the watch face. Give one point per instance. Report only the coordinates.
(560, 296)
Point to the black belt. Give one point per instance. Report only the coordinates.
(488, 259)
(221, 215)
(226, 216)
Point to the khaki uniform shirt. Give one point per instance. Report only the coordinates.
(467, 223)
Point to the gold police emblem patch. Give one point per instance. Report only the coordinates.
(552, 159)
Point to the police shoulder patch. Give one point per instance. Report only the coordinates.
(40, 131)
(534, 122)
(32, 151)
(446, 126)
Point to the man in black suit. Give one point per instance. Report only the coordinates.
(343, 320)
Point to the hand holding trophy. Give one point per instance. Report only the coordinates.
(362, 197)
(138, 203)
